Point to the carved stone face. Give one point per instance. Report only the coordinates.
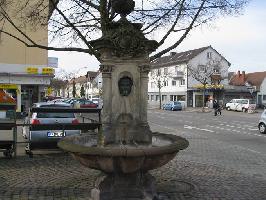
(125, 85)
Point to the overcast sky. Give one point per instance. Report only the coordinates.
(241, 40)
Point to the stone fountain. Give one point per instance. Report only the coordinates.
(128, 148)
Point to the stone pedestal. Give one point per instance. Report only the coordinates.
(124, 117)
(136, 186)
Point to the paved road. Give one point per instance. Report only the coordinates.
(225, 160)
(231, 140)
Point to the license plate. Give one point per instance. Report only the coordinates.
(56, 134)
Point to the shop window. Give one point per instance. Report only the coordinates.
(152, 97)
(157, 98)
(264, 98)
(164, 97)
(173, 83)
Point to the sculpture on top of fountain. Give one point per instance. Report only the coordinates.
(123, 7)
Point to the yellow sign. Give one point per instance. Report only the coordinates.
(8, 86)
(49, 91)
(32, 70)
(47, 70)
(208, 86)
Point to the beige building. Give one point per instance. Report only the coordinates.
(24, 72)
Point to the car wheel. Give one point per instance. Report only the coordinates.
(244, 110)
(172, 109)
(262, 128)
(228, 108)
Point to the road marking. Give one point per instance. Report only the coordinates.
(201, 129)
(253, 129)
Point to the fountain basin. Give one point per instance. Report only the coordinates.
(116, 158)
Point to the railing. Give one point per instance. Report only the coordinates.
(10, 145)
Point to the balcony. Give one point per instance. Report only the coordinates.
(177, 75)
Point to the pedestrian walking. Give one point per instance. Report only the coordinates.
(215, 107)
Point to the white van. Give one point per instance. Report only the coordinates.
(241, 105)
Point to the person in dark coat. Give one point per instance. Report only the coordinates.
(215, 107)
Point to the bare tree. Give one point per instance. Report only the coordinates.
(209, 74)
(58, 84)
(74, 24)
(160, 79)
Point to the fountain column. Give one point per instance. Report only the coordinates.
(129, 149)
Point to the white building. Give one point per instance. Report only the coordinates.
(179, 85)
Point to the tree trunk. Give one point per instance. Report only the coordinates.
(160, 98)
(203, 98)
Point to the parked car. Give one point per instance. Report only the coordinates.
(85, 103)
(45, 138)
(172, 105)
(241, 105)
(262, 122)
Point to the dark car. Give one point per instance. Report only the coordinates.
(85, 103)
(172, 105)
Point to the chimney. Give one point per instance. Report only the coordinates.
(243, 77)
(238, 73)
(244, 74)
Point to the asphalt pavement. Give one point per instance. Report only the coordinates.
(226, 159)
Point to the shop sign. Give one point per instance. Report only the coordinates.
(32, 70)
(8, 86)
(208, 86)
(47, 70)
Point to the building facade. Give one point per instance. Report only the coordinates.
(24, 72)
(253, 86)
(178, 84)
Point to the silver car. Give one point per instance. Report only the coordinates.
(262, 122)
(46, 138)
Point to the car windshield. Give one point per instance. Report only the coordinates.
(55, 115)
(176, 103)
(245, 101)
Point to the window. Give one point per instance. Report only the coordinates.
(209, 55)
(173, 83)
(216, 69)
(165, 83)
(165, 71)
(164, 97)
(157, 98)
(183, 82)
(173, 97)
(202, 68)
(152, 97)
(264, 98)
(159, 72)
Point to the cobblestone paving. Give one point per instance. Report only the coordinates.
(58, 176)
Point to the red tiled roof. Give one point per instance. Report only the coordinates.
(254, 79)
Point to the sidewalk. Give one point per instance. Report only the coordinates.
(59, 176)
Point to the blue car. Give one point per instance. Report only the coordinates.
(172, 105)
